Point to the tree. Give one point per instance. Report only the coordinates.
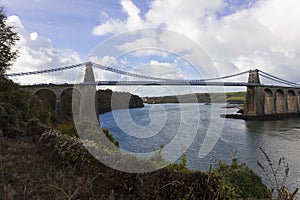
(8, 39)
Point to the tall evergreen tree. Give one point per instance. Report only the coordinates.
(8, 39)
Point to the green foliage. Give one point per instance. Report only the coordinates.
(248, 184)
(110, 137)
(20, 109)
(179, 167)
(69, 97)
(8, 39)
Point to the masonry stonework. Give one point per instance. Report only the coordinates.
(272, 100)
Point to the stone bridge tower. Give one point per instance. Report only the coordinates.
(254, 76)
(252, 107)
(88, 110)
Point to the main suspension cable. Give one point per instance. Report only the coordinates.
(45, 70)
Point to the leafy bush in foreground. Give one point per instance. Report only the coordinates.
(233, 181)
(248, 184)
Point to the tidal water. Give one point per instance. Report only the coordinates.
(189, 127)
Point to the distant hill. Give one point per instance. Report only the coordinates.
(230, 97)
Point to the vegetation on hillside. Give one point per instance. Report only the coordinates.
(236, 97)
(19, 109)
(57, 166)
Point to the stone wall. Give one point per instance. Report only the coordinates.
(272, 100)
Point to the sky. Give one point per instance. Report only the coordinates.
(186, 39)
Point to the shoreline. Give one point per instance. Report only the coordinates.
(261, 117)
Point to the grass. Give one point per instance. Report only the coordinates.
(29, 173)
(235, 96)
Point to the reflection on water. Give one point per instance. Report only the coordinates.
(278, 138)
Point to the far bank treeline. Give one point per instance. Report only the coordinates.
(229, 97)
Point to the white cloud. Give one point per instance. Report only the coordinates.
(116, 25)
(106, 60)
(264, 35)
(37, 52)
(280, 17)
(33, 36)
(181, 15)
(139, 43)
(161, 69)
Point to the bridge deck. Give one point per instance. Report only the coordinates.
(149, 83)
(178, 83)
(158, 83)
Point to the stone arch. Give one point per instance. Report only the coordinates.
(291, 101)
(269, 101)
(280, 102)
(67, 99)
(48, 97)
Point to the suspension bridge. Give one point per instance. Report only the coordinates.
(261, 100)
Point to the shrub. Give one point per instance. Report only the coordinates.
(249, 184)
(18, 110)
(179, 167)
(68, 129)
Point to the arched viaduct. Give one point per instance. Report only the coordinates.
(271, 100)
(87, 105)
(57, 90)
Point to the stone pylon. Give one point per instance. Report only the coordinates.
(254, 76)
(88, 109)
(89, 74)
(252, 105)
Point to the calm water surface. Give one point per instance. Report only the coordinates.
(278, 138)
